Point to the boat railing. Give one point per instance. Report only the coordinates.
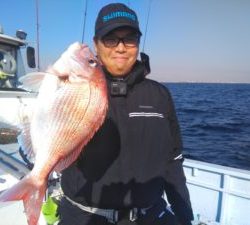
(221, 193)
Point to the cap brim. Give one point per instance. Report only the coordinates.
(105, 30)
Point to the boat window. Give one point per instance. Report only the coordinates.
(7, 61)
(8, 64)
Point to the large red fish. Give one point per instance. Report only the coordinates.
(71, 106)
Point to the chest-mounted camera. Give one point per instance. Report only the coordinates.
(118, 88)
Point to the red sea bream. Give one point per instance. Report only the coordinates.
(70, 108)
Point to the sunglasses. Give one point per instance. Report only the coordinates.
(129, 41)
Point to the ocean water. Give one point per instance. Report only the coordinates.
(215, 122)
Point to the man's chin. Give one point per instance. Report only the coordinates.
(119, 72)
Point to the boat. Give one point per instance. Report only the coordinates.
(12, 67)
(13, 98)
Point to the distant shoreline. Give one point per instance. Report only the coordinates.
(190, 82)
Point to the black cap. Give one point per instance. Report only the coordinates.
(113, 16)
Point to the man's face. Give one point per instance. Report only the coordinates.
(119, 58)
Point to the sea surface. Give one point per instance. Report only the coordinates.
(215, 122)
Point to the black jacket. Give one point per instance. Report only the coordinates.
(131, 160)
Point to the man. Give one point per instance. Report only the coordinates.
(122, 174)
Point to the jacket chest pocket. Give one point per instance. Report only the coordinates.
(147, 126)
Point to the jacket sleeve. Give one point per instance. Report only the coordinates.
(177, 192)
(175, 185)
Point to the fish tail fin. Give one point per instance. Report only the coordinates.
(32, 194)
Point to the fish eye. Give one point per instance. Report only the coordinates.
(92, 62)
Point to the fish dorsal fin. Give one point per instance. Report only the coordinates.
(32, 81)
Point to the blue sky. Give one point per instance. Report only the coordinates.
(190, 41)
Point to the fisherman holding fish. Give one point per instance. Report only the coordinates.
(135, 156)
(111, 132)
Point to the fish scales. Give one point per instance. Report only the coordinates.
(68, 120)
(88, 127)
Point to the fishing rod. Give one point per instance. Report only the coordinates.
(84, 21)
(146, 28)
(37, 35)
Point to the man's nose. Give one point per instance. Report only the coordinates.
(121, 47)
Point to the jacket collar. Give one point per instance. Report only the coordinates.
(136, 75)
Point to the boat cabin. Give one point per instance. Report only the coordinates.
(12, 63)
